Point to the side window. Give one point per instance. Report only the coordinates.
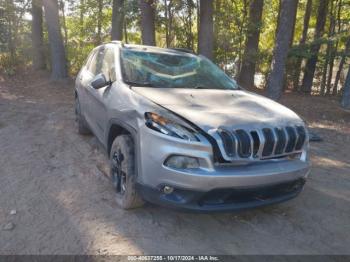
(88, 60)
(99, 61)
(94, 66)
(91, 65)
(102, 61)
(108, 66)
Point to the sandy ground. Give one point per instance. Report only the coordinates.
(54, 181)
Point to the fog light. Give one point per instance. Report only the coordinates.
(182, 162)
(168, 190)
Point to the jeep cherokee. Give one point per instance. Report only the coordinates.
(181, 133)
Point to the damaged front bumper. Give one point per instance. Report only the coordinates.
(213, 187)
(225, 199)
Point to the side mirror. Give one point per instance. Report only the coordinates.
(99, 81)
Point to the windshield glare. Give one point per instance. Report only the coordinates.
(168, 70)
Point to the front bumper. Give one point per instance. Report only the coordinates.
(155, 148)
(228, 187)
(226, 199)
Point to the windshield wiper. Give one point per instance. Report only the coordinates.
(131, 83)
(204, 87)
(200, 87)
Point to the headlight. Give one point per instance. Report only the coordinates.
(169, 127)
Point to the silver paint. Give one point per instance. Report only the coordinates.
(207, 109)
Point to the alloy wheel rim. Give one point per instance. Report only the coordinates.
(118, 174)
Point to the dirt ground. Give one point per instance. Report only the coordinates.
(56, 199)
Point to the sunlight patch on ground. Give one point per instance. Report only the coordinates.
(324, 125)
(344, 195)
(8, 96)
(339, 127)
(327, 162)
(97, 232)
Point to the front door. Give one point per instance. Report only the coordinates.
(99, 97)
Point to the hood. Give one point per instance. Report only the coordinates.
(209, 108)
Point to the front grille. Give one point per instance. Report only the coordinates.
(269, 142)
(244, 146)
(301, 137)
(292, 138)
(281, 141)
(264, 143)
(229, 142)
(256, 143)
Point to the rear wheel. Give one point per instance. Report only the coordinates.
(122, 165)
(82, 126)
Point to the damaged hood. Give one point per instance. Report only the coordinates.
(210, 109)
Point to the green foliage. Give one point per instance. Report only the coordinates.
(6, 64)
(176, 26)
(82, 27)
(176, 23)
(230, 29)
(14, 34)
(267, 35)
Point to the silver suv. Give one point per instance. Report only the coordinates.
(181, 133)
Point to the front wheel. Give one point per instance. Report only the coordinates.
(122, 165)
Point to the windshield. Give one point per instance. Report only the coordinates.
(172, 70)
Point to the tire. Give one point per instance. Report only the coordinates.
(82, 126)
(122, 166)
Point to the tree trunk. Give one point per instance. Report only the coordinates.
(147, 22)
(11, 43)
(289, 61)
(58, 55)
(302, 41)
(37, 36)
(310, 67)
(117, 20)
(341, 63)
(246, 75)
(206, 29)
(324, 72)
(65, 30)
(125, 32)
(293, 28)
(189, 41)
(278, 18)
(99, 21)
(170, 23)
(198, 15)
(333, 52)
(166, 14)
(168, 4)
(217, 17)
(288, 9)
(339, 24)
(345, 102)
(325, 85)
(241, 27)
(81, 18)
